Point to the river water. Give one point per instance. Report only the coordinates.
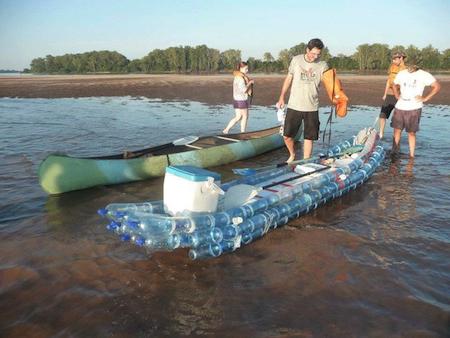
(374, 263)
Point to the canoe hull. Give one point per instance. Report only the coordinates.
(59, 173)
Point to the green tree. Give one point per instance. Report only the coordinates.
(134, 66)
(342, 62)
(445, 59)
(362, 56)
(268, 57)
(284, 57)
(297, 49)
(380, 56)
(214, 59)
(412, 52)
(431, 57)
(38, 65)
(255, 65)
(230, 58)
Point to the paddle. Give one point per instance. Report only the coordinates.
(252, 171)
(185, 140)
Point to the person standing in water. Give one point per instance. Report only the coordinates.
(242, 91)
(409, 85)
(304, 76)
(389, 100)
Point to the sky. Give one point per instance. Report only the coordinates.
(36, 28)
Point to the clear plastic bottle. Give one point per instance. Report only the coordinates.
(230, 232)
(213, 235)
(213, 249)
(171, 242)
(251, 236)
(118, 210)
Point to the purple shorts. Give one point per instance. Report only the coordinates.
(240, 104)
(406, 119)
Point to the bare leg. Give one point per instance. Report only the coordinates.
(244, 120)
(396, 143)
(307, 148)
(290, 145)
(382, 125)
(412, 143)
(233, 121)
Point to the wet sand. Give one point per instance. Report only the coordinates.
(210, 89)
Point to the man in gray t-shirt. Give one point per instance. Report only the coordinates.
(304, 77)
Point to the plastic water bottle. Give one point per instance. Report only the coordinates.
(251, 236)
(213, 250)
(213, 235)
(118, 210)
(149, 226)
(170, 243)
(230, 232)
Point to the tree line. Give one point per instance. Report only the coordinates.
(202, 59)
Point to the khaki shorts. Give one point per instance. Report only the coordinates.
(406, 119)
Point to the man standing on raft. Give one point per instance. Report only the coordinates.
(304, 74)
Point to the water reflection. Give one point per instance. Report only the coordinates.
(372, 263)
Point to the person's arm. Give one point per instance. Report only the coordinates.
(435, 87)
(396, 85)
(286, 84)
(249, 84)
(386, 89)
(396, 89)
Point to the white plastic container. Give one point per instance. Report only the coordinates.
(189, 189)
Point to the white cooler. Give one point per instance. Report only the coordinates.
(190, 189)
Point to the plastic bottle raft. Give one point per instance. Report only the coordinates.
(282, 194)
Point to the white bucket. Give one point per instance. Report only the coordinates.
(189, 189)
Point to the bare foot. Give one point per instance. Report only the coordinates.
(290, 159)
(225, 131)
(381, 135)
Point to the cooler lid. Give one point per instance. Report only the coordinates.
(192, 173)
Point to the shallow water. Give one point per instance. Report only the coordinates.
(373, 263)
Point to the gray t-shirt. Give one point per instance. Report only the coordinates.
(305, 83)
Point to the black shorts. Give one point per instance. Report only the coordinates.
(293, 122)
(388, 106)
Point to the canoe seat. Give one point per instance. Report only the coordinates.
(192, 146)
(227, 138)
(128, 154)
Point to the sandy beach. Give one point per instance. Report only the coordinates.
(210, 89)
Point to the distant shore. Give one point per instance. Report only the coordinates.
(209, 89)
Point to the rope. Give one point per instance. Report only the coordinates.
(330, 118)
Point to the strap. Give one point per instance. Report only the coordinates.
(330, 118)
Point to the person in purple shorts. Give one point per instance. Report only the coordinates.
(408, 88)
(242, 91)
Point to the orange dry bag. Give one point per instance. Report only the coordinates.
(335, 92)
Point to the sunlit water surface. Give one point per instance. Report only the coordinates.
(373, 263)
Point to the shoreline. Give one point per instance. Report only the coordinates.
(209, 89)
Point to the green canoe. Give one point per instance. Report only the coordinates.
(61, 173)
